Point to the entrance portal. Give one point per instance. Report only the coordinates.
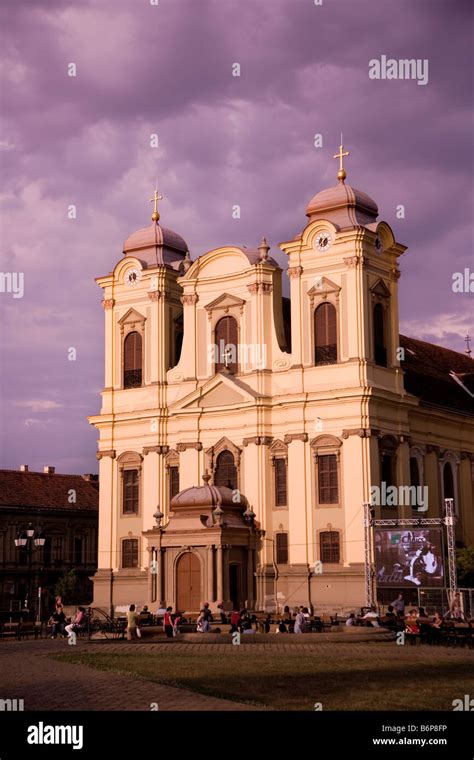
(188, 577)
(235, 586)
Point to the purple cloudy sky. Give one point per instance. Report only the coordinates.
(223, 140)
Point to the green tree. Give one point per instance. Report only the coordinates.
(67, 587)
(465, 566)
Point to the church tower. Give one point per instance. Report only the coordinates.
(143, 339)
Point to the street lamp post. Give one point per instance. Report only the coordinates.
(30, 539)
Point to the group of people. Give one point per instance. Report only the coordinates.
(59, 622)
(396, 619)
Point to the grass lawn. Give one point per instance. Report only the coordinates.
(378, 676)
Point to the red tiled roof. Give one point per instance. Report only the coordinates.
(40, 490)
(436, 375)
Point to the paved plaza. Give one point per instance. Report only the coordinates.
(28, 672)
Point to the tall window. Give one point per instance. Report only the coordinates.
(132, 360)
(226, 340)
(329, 547)
(327, 479)
(281, 499)
(226, 471)
(414, 477)
(78, 550)
(281, 548)
(380, 349)
(325, 334)
(130, 492)
(448, 481)
(173, 481)
(58, 557)
(130, 552)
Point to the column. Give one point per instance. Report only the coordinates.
(161, 578)
(220, 574)
(403, 475)
(250, 579)
(210, 573)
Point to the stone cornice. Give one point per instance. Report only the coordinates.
(189, 445)
(290, 437)
(155, 450)
(107, 453)
(258, 440)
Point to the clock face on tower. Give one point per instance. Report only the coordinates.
(132, 277)
(323, 241)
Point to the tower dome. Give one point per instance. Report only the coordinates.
(156, 246)
(343, 205)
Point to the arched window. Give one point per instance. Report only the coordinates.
(325, 334)
(329, 547)
(380, 349)
(132, 360)
(226, 471)
(226, 341)
(448, 481)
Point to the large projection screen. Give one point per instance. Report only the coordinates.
(409, 558)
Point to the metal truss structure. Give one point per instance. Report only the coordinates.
(370, 522)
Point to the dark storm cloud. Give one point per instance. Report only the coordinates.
(223, 140)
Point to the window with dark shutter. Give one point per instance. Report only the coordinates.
(329, 547)
(226, 337)
(132, 360)
(280, 483)
(325, 334)
(328, 479)
(380, 350)
(130, 552)
(130, 492)
(448, 481)
(282, 548)
(414, 477)
(226, 471)
(387, 469)
(174, 481)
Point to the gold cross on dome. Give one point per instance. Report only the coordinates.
(341, 175)
(155, 216)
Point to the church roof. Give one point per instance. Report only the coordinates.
(47, 491)
(156, 246)
(438, 376)
(207, 496)
(343, 205)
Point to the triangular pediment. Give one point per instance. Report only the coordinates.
(380, 289)
(225, 301)
(221, 390)
(323, 285)
(131, 316)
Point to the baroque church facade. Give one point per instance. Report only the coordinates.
(241, 432)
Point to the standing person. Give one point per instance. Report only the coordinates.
(300, 622)
(59, 604)
(168, 623)
(132, 627)
(77, 620)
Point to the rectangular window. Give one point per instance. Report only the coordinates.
(130, 552)
(387, 469)
(174, 481)
(327, 479)
(282, 548)
(280, 483)
(58, 550)
(130, 492)
(329, 550)
(78, 551)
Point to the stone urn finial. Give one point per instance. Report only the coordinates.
(206, 478)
